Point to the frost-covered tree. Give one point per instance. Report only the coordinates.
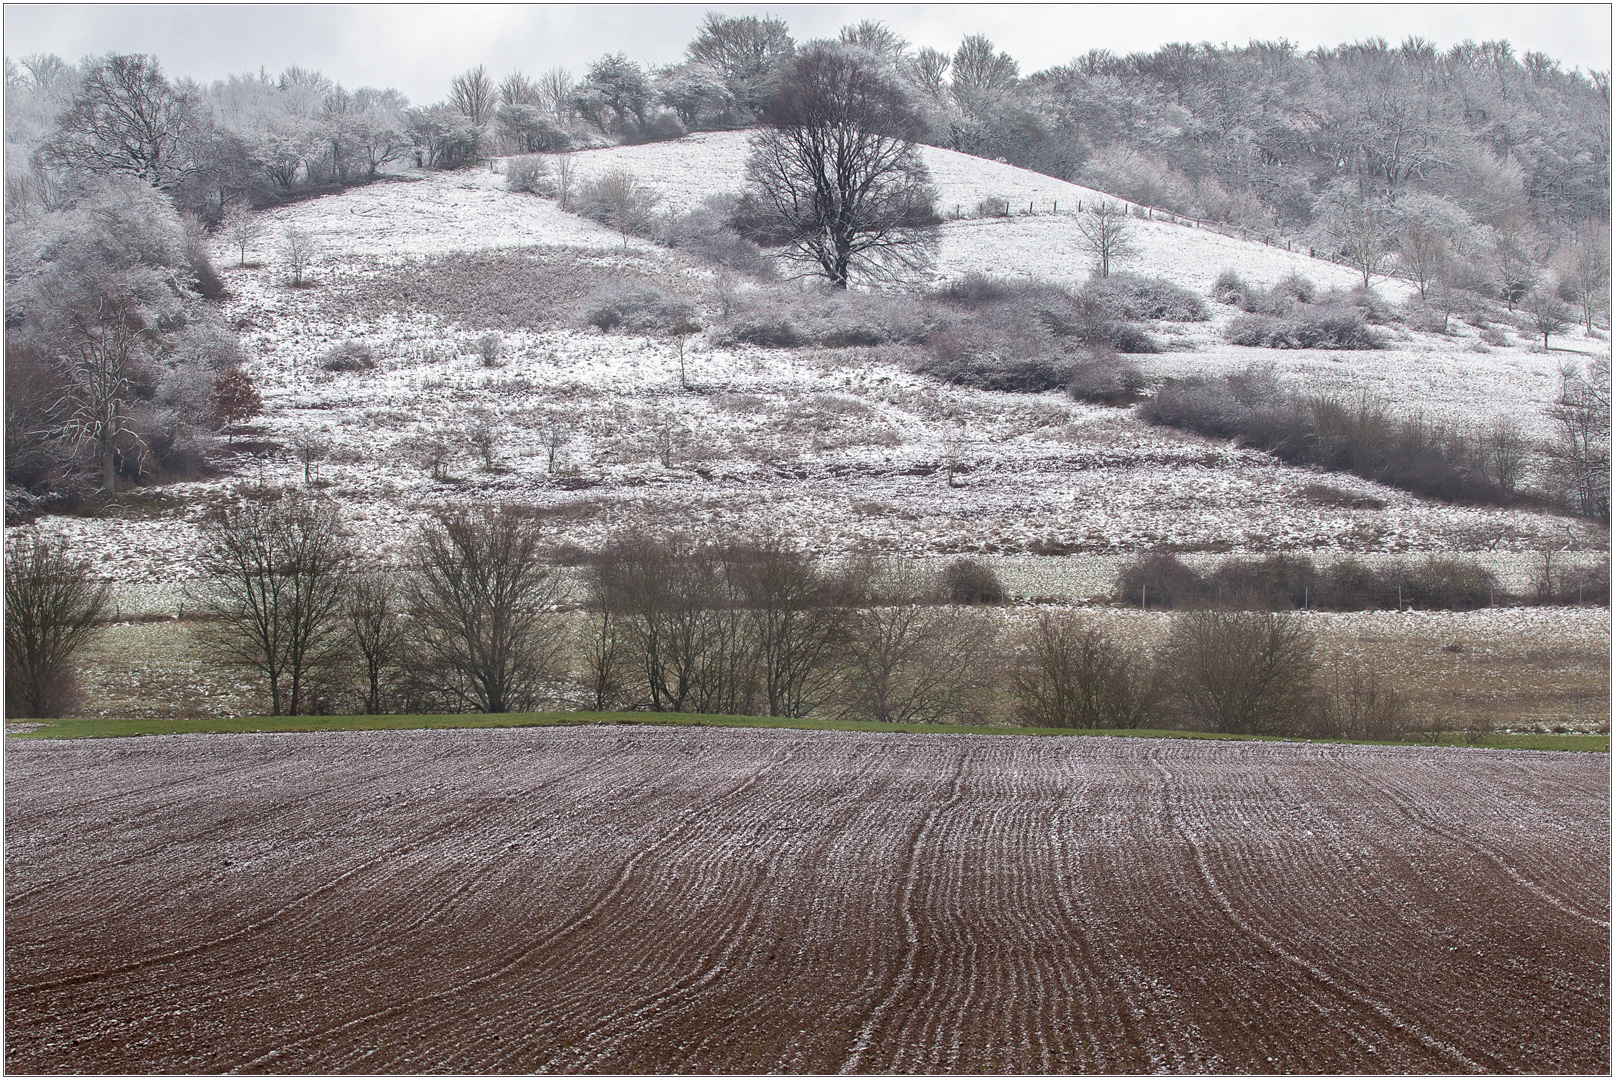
(616, 96)
(834, 178)
(1584, 269)
(747, 52)
(127, 117)
(240, 227)
(1106, 235)
(473, 94)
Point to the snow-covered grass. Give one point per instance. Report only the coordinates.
(840, 449)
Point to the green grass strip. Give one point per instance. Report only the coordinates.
(102, 729)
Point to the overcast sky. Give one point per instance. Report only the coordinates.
(418, 48)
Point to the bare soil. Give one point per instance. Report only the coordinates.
(622, 900)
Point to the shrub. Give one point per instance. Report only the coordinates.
(636, 307)
(1160, 580)
(1364, 438)
(1104, 378)
(979, 290)
(993, 207)
(1306, 327)
(1230, 288)
(1244, 673)
(1445, 584)
(966, 581)
(1355, 702)
(1069, 674)
(1276, 583)
(529, 173)
(1126, 297)
(769, 332)
(349, 356)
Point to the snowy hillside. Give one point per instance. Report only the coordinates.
(840, 448)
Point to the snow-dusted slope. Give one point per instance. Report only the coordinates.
(839, 449)
(1039, 239)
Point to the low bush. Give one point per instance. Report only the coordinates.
(1104, 378)
(636, 307)
(1160, 580)
(707, 232)
(1126, 297)
(529, 173)
(991, 207)
(1230, 288)
(349, 356)
(769, 331)
(966, 581)
(1364, 437)
(1306, 327)
(1284, 582)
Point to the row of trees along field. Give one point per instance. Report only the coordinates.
(673, 624)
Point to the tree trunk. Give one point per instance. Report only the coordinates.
(109, 477)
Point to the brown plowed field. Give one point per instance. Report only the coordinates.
(628, 899)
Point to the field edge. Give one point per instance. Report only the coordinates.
(113, 728)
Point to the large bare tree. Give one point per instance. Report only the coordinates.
(480, 604)
(51, 610)
(276, 567)
(834, 176)
(128, 118)
(100, 374)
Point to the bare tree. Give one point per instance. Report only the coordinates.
(796, 622)
(1547, 314)
(556, 432)
(565, 181)
(1361, 234)
(1243, 672)
(1516, 252)
(51, 611)
(483, 435)
(617, 198)
(1423, 253)
(1069, 673)
(1106, 235)
(555, 88)
(240, 228)
(311, 448)
(276, 569)
(127, 117)
(928, 70)
(480, 603)
(1586, 271)
(1580, 452)
(834, 177)
(518, 89)
(682, 623)
(905, 661)
(100, 373)
(299, 249)
(474, 95)
(377, 639)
